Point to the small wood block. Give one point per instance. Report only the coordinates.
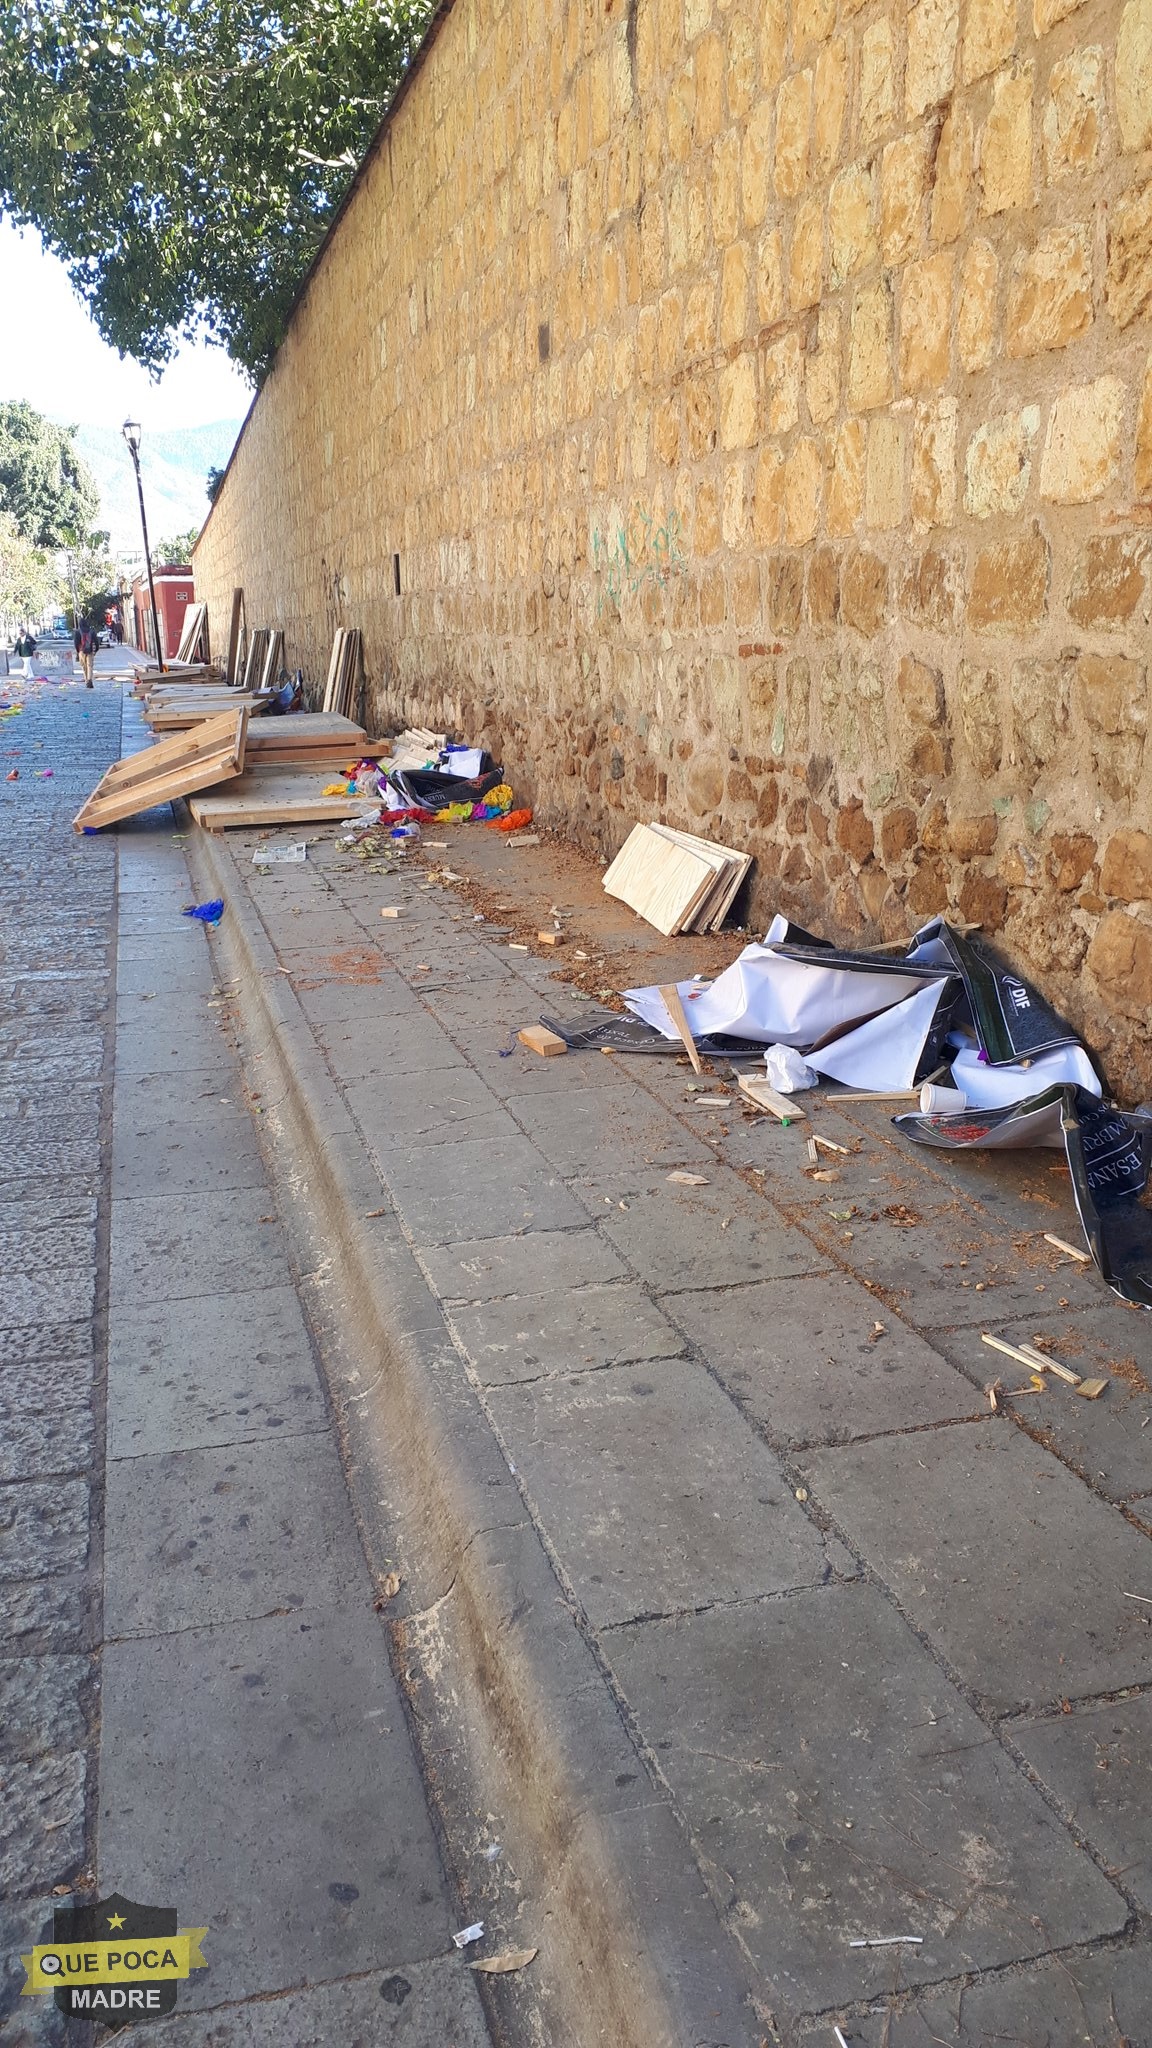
(670, 997)
(389, 911)
(1069, 1250)
(765, 1097)
(550, 938)
(1091, 1390)
(539, 1039)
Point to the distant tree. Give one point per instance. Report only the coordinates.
(212, 485)
(185, 160)
(178, 549)
(44, 483)
(86, 573)
(27, 575)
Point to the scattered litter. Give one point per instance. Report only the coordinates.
(823, 1172)
(512, 1959)
(206, 913)
(539, 1039)
(939, 1101)
(389, 1587)
(467, 1935)
(292, 851)
(813, 1152)
(841, 2040)
(550, 938)
(786, 1071)
(801, 1493)
(522, 838)
(878, 1330)
(710, 1102)
(375, 1212)
(492, 1851)
(688, 1180)
(830, 1145)
(670, 997)
(1091, 1390)
(390, 910)
(13, 775)
(994, 1392)
(889, 1941)
(1070, 1250)
(1029, 1356)
(1142, 1597)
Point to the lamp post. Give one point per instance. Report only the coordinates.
(131, 432)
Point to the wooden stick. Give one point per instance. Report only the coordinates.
(675, 1008)
(878, 1095)
(765, 1097)
(1085, 1258)
(830, 1145)
(1032, 1358)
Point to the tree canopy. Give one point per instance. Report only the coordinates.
(184, 157)
(27, 576)
(44, 483)
(177, 548)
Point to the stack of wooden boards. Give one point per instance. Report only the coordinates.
(212, 754)
(194, 639)
(675, 881)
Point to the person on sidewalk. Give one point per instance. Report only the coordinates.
(26, 648)
(86, 643)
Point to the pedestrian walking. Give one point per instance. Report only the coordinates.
(26, 648)
(86, 642)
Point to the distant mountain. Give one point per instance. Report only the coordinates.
(174, 466)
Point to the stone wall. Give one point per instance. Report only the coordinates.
(742, 414)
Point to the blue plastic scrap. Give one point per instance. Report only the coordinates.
(208, 913)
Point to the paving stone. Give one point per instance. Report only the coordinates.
(675, 1237)
(1000, 1555)
(344, 1001)
(568, 1330)
(913, 1266)
(41, 1822)
(221, 1369)
(194, 1097)
(41, 1710)
(143, 969)
(495, 1187)
(27, 2022)
(422, 2005)
(43, 1528)
(147, 1043)
(655, 1492)
(42, 1615)
(802, 1357)
(39, 1253)
(402, 1045)
(251, 1728)
(215, 1153)
(778, 1724)
(1098, 1762)
(46, 1424)
(208, 1243)
(215, 1535)
(612, 1122)
(1074, 2001)
(482, 1269)
(69, 1343)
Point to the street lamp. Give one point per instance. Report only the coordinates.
(131, 432)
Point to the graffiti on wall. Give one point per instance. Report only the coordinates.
(640, 552)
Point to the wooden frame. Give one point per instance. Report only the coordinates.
(343, 671)
(194, 638)
(176, 767)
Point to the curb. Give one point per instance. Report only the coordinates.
(500, 1680)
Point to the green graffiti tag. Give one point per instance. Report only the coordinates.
(641, 552)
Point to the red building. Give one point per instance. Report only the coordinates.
(174, 593)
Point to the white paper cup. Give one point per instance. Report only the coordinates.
(938, 1101)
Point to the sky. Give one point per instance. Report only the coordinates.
(52, 355)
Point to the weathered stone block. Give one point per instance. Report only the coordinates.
(768, 498)
(844, 502)
(783, 363)
(806, 256)
(1050, 293)
(864, 592)
(1134, 75)
(1046, 13)
(953, 176)
(830, 101)
(928, 889)
(925, 319)
(1010, 585)
(704, 784)
(1082, 448)
(1038, 693)
(976, 314)
(1113, 694)
(870, 348)
(1143, 469)
(803, 486)
(1006, 143)
(979, 716)
(770, 278)
(884, 477)
(934, 463)
(898, 835)
(823, 589)
(1109, 584)
(1129, 287)
(1074, 114)
(822, 367)
(1126, 870)
(854, 832)
(933, 34)
(1120, 957)
(738, 404)
(905, 170)
(1070, 858)
(877, 105)
(852, 243)
(920, 691)
(970, 837)
(989, 36)
(998, 465)
(793, 131)
(784, 593)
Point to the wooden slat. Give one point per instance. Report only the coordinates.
(257, 649)
(272, 660)
(288, 797)
(177, 770)
(195, 631)
(235, 629)
(658, 879)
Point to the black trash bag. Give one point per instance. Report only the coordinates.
(1109, 1154)
(426, 789)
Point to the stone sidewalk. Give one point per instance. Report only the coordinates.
(196, 1703)
(707, 1476)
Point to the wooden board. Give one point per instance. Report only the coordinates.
(176, 715)
(659, 880)
(340, 688)
(235, 632)
(214, 753)
(257, 653)
(273, 655)
(285, 797)
(194, 638)
(711, 914)
(308, 729)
